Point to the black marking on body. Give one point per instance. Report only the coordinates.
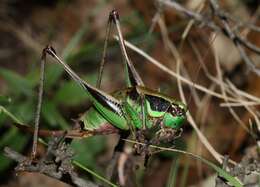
(157, 103)
(105, 101)
(175, 110)
(133, 94)
(131, 76)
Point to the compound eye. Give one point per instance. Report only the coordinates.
(181, 111)
(176, 110)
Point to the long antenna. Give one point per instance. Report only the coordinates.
(39, 106)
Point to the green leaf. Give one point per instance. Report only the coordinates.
(75, 40)
(24, 110)
(70, 94)
(54, 71)
(101, 178)
(173, 172)
(34, 74)
(12, 142)
(73, 91)
(221, 172)
(7, 137)
(88, 52)
(52, 115)
(4, 111)
(12, 138)
(16, 82)
(5, 100)
(87, 150)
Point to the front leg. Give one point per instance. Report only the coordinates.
(166, 135)
(143, 148)
(140, 139)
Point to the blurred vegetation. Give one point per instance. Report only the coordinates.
(77, 29)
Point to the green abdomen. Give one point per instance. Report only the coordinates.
(131, 100)
(92, 119)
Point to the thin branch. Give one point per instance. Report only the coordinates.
(179, 61)
(223, 90)
(242, 104)
(215, 80)
(196, 16)
(225, 28)
(184, 80)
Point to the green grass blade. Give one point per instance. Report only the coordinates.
(53, 116)
(184, 174)
(70, 90)
(16, 82)
(3, 110)
(5, 100)
(8, 136)
(55, 71)
(94, 174)
(76, 163)
(75, 40)
(4, 161)
(232, 180)
(173, 172)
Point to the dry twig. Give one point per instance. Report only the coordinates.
(225, 27)
(56, 163)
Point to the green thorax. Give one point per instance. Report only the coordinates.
(156, 105)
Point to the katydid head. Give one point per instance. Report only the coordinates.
(175, 115)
